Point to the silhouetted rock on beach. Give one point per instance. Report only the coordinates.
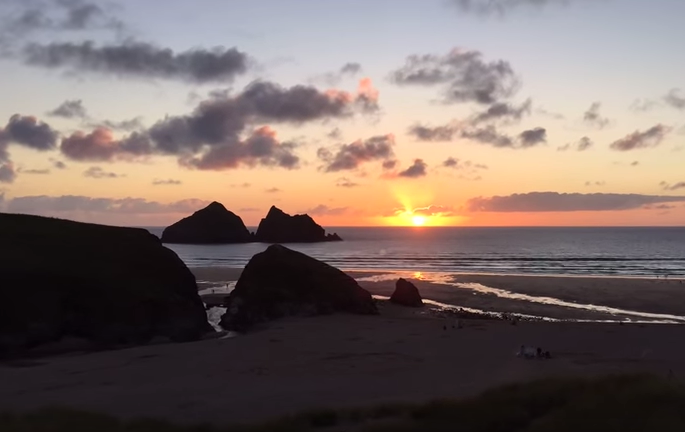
(280, 282)
(109, 285)
(280, 227)
(211, 225)
(406, 294)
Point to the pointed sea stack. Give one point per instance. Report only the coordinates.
(280, 227)
(211, 225)
(406, 294)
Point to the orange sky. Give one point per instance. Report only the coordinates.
(464, 120)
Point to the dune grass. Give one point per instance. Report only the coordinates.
(615, 403)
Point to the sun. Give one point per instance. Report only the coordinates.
(418, 220)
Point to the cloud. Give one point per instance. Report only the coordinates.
(60, 205)
(490, 136)
(467, 170)
(503, 7)
(348, 70)
(140, 60)
(25, 131)
(220, 121)
(273, 190)
(323, 210)
(462, 75)
(74, 109)
(593, 118)
(351, 68)
(503, 111)
(123, 125)
(57, 15)
(101, 146)
(169, 182)
(642, 105)
(29, 132)
(242, 185)
(348, 157)
(213, 136)
(335, 134)
(99, 173)
(70, 109)
(346, 183)
(430, 211)
(566, 202)
(259, 149)
(672, 187)
(389, 164)
(533, 137)
(35, 171)
(583, 144)
(550, 114)
(416, 170)
(7, 173)
(675, 99)
(59, 164)
(249, 209)
(595, 183)
(434, 210)
(640, 140)
(487, 134)
(433, 133)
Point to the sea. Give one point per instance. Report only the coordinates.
(572, 251)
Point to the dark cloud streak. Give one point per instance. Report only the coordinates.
(566, 202)
(642, 140)
(140, 60)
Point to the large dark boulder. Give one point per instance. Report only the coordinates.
(280, 227)
(406, 294)
(211, 225)
(280, 282)
(109, 285)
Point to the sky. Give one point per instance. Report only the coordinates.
(359, 113)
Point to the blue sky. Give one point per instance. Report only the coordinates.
(567, 57)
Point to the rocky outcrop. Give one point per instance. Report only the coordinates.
(211, 225)
(406, 294)
(108, 285)
(280, 227)
(280, 282)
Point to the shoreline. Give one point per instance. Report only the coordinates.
(555, 297)
(458, 273)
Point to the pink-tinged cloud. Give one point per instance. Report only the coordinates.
(50, 205)
(348, 157)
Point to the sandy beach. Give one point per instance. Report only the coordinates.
(332, 361)
(402, 355)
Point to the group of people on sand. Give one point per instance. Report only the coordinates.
(528, 352)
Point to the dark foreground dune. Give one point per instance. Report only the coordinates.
(618, 402)
(336, 361)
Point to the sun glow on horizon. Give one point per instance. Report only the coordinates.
(418, 220)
